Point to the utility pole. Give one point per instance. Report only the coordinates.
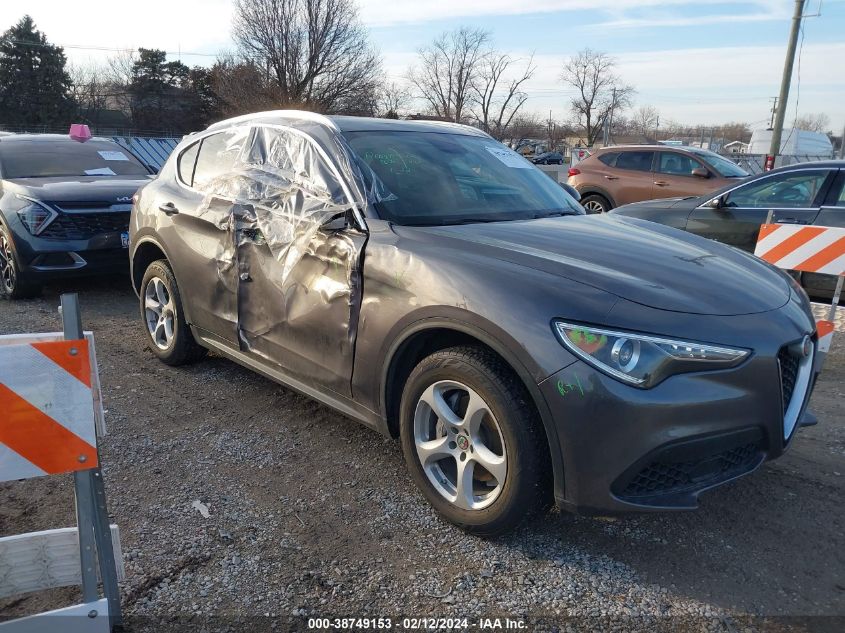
(657, 129)
(783, 98)
(842, 146)
(612, 108)
(774, 101)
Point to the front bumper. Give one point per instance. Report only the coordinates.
(627, 449)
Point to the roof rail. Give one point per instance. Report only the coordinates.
(289, 114)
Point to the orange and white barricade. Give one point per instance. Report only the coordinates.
(50, 419)
(809, 249)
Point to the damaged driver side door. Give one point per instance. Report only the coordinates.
(299, 259)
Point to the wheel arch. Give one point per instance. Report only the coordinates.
(147, 250)
(598, 191)
(426, 337)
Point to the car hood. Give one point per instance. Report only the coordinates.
(640, 261)
(103, 190)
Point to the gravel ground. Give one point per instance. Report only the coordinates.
(312, 515)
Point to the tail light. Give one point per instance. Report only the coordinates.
(574, 171)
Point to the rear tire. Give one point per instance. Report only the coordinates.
(488, 479)
(594, 203)
(12, 284)
(168, 333)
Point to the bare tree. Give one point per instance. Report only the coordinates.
(645, 120)
(394, 100)
(316, 52)
(499, 96)
(449, 72)
(600, 92)
(813, 123)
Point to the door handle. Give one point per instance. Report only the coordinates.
(168, 208)
(612, 177)
(790, 221)
(661, 183)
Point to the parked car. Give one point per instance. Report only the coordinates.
(64, 208)
(809, 193)
(548, 158)
(614, 176)
(432, 284)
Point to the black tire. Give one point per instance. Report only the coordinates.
(594, 203)
(181, 349)
(12, 283)
(526, 487)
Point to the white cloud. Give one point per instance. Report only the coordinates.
(389, 12)
(709, 84)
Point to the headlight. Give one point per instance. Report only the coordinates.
(640, 360)
(35, 215)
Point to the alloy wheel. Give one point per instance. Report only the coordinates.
(7, 265)
(460, 445)
(160, 313)
(593, 206)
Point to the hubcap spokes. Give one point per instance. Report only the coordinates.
(159, 312)
(460, 445)
(7, 265)
(593, 206)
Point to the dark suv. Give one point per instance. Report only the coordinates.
(64, 208)
(432, 284)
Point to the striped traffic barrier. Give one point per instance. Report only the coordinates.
(809, 249)
(50, 420)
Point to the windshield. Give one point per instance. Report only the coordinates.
(725, 167)
(65, 158)
(434, 178)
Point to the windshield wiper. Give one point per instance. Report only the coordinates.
(471, 221)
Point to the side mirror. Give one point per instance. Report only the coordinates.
(717, 203)
(700, 172)
(337, 222)
(572, 191)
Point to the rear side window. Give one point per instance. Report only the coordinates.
(217, 156)
(636, 161)
(609, 158)
(187, 161)
(676, 164)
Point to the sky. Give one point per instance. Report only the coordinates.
(696, 61)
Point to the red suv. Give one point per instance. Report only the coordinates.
(614, 176)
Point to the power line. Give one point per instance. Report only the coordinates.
(106, 49)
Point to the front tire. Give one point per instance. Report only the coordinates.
(472, 441)
(12, 284)
(168, 334)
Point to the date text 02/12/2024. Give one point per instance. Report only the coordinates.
(411, 624)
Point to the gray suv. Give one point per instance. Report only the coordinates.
(425, 280)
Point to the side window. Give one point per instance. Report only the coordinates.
(187, 161)
(290, 162)
(789, 190)
(609, 158)
(676, 164)
(636, 161)
(841, 201)
(217, 156)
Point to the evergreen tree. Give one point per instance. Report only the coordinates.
(34, 84)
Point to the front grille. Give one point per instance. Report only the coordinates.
(667, 478)
(789, 366)
(83, 226)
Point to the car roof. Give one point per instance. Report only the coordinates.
(347, 123)
(683, 148)
(831, 164)
(26, 139)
